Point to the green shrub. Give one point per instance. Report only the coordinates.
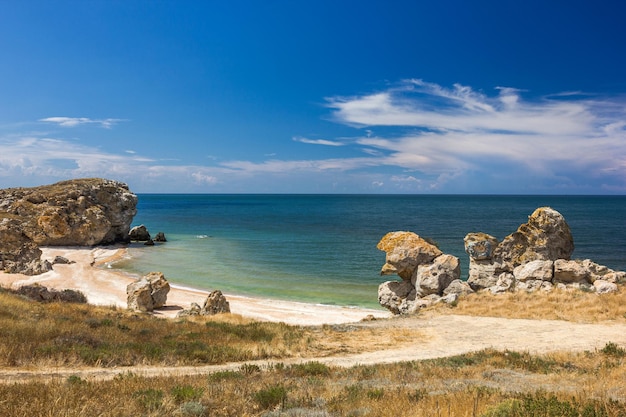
(612, 349)
(271, 396)
(183, 393)
(149, 399)
(309, 369)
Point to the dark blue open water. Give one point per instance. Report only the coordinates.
(322, 248)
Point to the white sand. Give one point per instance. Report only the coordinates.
(91, 275)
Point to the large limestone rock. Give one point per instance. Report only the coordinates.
(535, 257)
(435, 277)
(425, 271)
(81, 212)
(546, 236)
(538, 269)
(147, 293)
(405, 251)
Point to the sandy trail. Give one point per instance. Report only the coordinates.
(440, 335)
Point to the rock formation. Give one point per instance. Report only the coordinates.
(535, 257)
(139, 234)
(81, 212)
(215, 303)
(148, 293)
(40, 293)
(426, 272)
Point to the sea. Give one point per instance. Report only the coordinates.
(321, 249)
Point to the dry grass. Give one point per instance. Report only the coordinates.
(485, 383)
(569, 305)
(56, 334)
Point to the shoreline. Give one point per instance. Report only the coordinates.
(92, 275)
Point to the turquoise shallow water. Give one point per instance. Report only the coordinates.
(322, 248)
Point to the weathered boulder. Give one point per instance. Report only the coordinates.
(458, 287)
(546, 236)
(159, 288)
(434, 277)
(40, 293)
(393, 294)
(81, 212)
(139, 233)
(147, 293)
(482, 274)
(539, 270)
(193, 310)
(426, 273)
(568, 272)
(604, 287)
(480, 246)
(404, 252)
(139, 296)
(160, 237)
(215, 303)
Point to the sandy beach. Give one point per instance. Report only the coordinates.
(92, 275)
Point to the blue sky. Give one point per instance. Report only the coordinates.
(446, 96)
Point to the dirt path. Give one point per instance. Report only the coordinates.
(442, 336)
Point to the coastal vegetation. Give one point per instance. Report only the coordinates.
(43, 336)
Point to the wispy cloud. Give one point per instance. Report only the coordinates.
(458, 132)
(324, 142)
(77, 121)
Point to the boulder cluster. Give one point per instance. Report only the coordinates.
(80, 212)
(150, 292)
(141, 234)
(215, 303)
(536, 256)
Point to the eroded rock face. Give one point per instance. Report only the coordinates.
(18, 254)
(546, 236)
(81, 212)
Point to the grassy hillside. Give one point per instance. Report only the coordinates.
(36, 336)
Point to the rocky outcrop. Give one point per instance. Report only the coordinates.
(215, 303)
(535, 257)
(426, 273)
(81, 212)
(147, 293)
(40, 293)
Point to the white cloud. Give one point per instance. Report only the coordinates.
(458, 133)
(77, 121)
(201, 178)
(317, 141)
